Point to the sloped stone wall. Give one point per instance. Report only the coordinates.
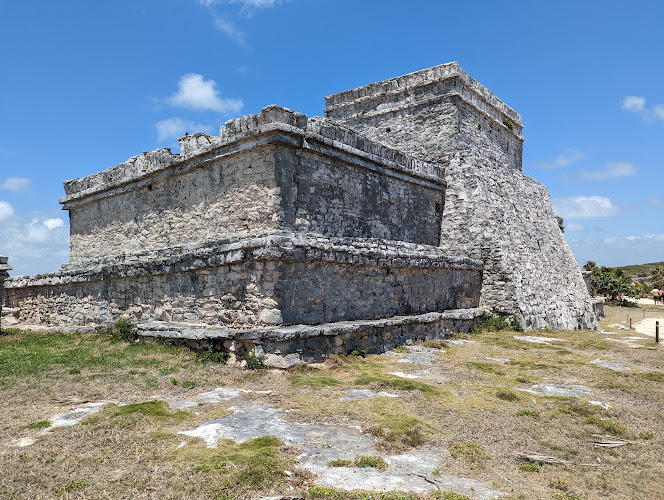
(492, 212)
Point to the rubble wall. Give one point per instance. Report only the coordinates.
(276, 279)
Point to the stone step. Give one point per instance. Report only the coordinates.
(288, 346)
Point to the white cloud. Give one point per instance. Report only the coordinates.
(568, 157)
(172, 128)
(35, 245)
(246, 4)
(6, 210)
(580, 207)
(611, 170)
(574, 227)
(15, 184)
(53, 223)
(194, 92)
(637, 104)
(633, 103)
(656, 202)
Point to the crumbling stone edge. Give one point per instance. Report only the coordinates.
(288, 346)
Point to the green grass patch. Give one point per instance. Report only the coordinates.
(485, 367)
(468, 451)
(527, 413)
(508, 396)
(361, 461)
(314, 379)
(71, 486)
(653, 376)
(42, 424)
(399, 431)
(608, 426)
(128, 415)
(326, 493)
(40, 355)
(530, 467)
(236, 470)
(378, 380)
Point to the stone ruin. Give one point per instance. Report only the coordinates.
(402, 214)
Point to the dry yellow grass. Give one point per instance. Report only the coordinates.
(464, 397)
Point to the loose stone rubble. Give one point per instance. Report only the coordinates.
(403, 214)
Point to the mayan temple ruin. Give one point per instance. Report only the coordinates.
(402, 214)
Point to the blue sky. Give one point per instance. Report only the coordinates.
(85, 85)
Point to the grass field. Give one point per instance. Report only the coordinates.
(467, 405)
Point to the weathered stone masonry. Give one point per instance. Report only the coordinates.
(301, 237)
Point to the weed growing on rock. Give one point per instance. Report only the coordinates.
(42, 424)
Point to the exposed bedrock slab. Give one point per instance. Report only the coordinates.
(286, 346)
(620, 366)
(322, 443)
(561, 390)
(493, 212)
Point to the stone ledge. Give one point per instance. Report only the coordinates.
(288, 346)
(189, 331)
(281, 246)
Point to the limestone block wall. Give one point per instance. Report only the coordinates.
(492, 211)
(282, 278)
(273, 171)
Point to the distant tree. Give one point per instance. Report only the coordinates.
(589, 266)
(657, 278)
(611, 283)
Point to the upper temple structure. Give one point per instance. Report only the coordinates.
(403, 213)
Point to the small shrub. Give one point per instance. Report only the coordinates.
(645, 435)
(507, 396)
(523, 379)
(211, 356)
(253, 362)
(174, 381)
(496, 323)
(530, 467)
(508, 123)
(370, 461)
(188, 384)
(567, 496)
(42, 424)
(123, 329)
(74, 371)
(358, 351)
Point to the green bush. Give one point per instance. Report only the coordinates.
(496, 323)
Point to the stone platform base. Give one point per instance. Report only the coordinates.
(598, 306)
(287, 346)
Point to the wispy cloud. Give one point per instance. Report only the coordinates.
(575, 227)
(567, 157)
(611, 170)
(15, 183)
(580, 207)
(637, 104)
(618, 250)
(197, 93)
(656, 202)
(172, 128)
(230, 29)
(225, 11)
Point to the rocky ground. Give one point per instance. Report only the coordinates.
(494, 414)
